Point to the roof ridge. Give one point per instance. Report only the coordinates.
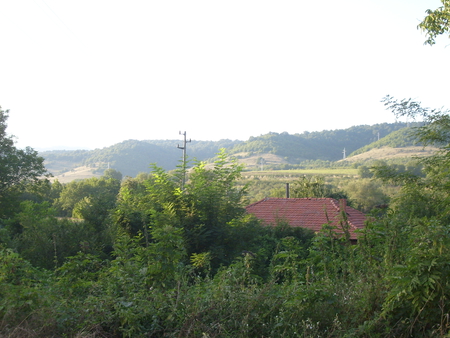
(298, 198)
(258, 202)
(337, 204)
(351, 223)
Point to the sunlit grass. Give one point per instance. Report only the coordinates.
(301, 172)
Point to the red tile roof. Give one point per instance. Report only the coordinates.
(308, 213)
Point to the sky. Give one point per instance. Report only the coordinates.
(88, 74)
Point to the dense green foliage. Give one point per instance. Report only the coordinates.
(18, 167)
(147, 258)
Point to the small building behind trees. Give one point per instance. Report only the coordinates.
(310, 213)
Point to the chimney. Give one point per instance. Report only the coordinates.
(343, 204)
(287, 190)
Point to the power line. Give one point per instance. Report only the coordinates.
(55, 16)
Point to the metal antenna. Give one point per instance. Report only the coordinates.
(184, 158)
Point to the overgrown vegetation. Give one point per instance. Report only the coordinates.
(106, 257)
(150, 257)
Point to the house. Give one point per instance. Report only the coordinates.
(310, 213)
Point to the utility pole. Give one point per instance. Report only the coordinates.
(184, 159)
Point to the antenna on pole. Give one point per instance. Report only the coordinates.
(184, 158)
(344, 154)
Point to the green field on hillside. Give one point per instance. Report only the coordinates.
(301, 172)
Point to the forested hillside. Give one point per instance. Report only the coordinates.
(132, 156)
(400, 138)
(326, 145)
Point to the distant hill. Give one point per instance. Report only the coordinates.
(326, 145)
(132, 156)
(397, 139)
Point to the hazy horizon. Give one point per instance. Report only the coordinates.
(91, 74)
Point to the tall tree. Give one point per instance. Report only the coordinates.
(17, 166)
(90, 199)
(422, 196)
(210, 201)
(213, 199)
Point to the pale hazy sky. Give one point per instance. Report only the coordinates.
(92, 73)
